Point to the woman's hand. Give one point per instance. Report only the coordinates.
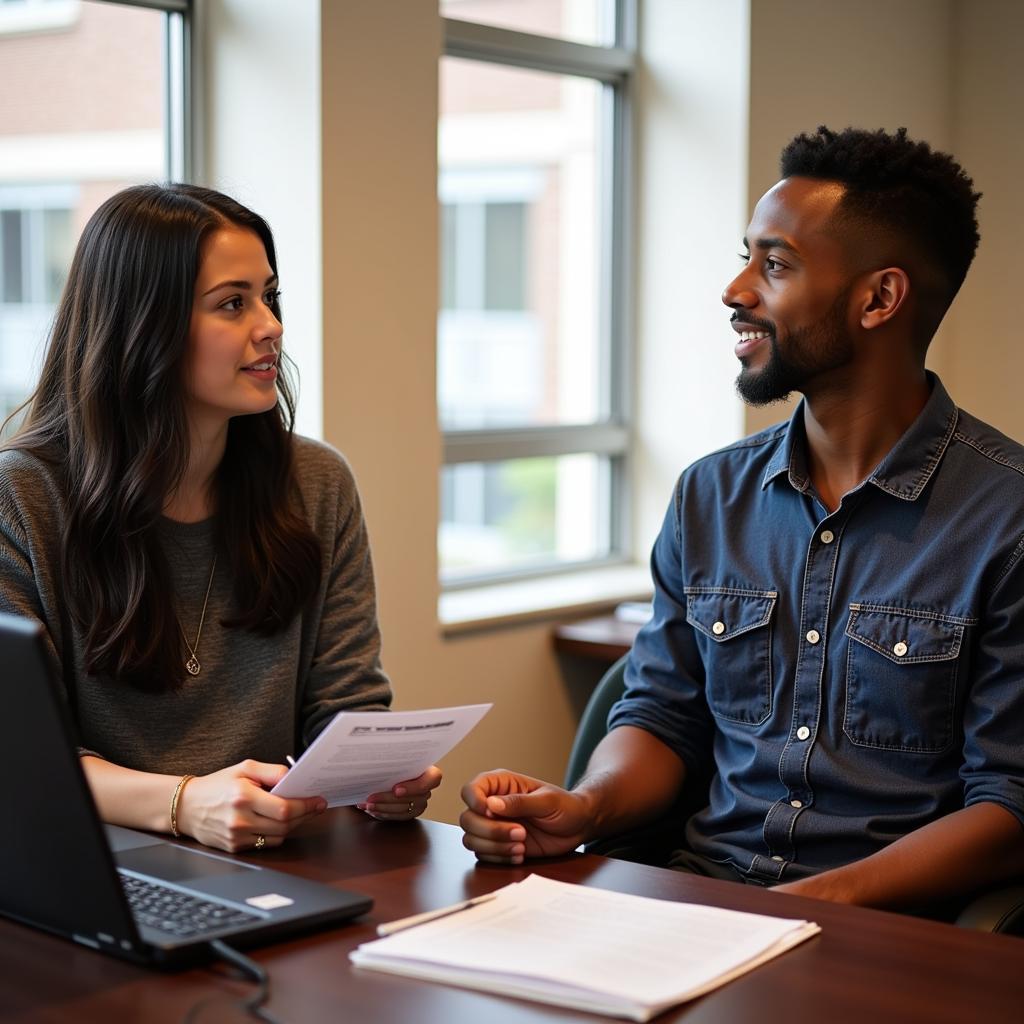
(406, 800)
(232, 810)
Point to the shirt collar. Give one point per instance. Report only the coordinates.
(905, 470)
(790, 457)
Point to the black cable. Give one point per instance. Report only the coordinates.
(254, 1004)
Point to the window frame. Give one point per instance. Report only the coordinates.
(612, 435)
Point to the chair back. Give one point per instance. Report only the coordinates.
(594, 720)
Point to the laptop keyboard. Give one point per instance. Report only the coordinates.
(177, 913)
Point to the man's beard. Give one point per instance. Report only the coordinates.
(810, 351)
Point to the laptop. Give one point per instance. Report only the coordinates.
(62, 870)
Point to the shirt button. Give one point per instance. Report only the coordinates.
(826, 536)
(803, 732)
(899, 649)
(718, 628)
(796, 803)
(813, 636)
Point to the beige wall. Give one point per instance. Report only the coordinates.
(984, 355)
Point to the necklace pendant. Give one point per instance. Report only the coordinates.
(192, 666)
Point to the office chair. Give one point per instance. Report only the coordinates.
(1000, 909)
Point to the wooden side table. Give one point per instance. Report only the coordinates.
(604, 637)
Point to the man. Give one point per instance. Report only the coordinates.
(838, 629)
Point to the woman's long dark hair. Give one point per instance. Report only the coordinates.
(110, 414)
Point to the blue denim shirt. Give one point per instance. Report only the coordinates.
(849, 677)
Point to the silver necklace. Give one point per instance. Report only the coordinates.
(192, 666)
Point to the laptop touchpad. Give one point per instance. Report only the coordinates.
(176, 864)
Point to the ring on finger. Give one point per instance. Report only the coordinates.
(261, 841)
(412, 804)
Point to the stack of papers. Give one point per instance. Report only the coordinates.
(605, 952)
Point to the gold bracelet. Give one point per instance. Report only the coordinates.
(182, 783)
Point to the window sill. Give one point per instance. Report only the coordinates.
(503, 604)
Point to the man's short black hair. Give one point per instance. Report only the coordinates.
(900, 185)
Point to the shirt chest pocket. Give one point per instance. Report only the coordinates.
(734, 633)
(901, 678)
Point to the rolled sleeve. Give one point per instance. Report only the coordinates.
(993, 766)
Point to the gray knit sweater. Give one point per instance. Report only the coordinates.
(259, 697)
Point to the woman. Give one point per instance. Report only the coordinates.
(203, 575)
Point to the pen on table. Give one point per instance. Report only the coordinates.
(431, 915)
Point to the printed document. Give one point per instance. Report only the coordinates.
(572, 945)
(364, 752)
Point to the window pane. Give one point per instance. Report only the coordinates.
(505, 256)
(448, 216)
(582, 21)
(519, 340)
(522, 514)
(10, 256)
(58, 246)
(81, 116)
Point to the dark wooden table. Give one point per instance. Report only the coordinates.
(866, 967)
(603, 637)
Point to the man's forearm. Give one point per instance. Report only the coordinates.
(968, 850)
(631, 780)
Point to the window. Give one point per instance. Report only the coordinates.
(533, 165)
(92, 98)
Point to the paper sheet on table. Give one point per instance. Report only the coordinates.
(606, 952)
(364, 752)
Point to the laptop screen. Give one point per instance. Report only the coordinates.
(56, 869)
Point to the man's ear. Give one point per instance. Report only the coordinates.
(885, 293)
